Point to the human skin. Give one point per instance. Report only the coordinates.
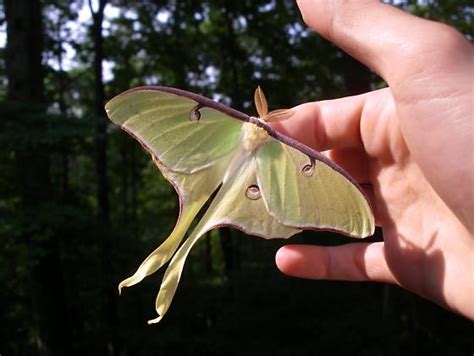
(413, 142)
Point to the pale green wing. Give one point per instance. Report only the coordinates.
(304, 192)
(272, 192)
(176, 127)
(236, 204)
(239, 204)
(193, 190)
(192, 140)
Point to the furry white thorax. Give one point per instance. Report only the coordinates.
(253, 136)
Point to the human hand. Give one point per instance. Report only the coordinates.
(413, 142)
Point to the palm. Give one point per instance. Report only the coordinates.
(417, 225)
(365, 135)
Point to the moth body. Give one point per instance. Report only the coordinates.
(253, 136)
(258, 181)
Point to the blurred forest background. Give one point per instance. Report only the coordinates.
(81, 203)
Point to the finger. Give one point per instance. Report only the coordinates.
(377, 34)
(350, 262)
(326, 124)
(354, 161)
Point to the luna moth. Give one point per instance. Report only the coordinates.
(265, 184)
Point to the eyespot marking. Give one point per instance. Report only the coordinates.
(253, 192)
(308, 169)
(195, 114)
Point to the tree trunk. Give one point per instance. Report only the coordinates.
(109, 305)
(62, 109)
(26, 88)
(231, 57)
(101, 128)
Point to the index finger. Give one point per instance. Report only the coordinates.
(329, 124)
(325, 124)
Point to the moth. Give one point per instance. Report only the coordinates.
(266, 184)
